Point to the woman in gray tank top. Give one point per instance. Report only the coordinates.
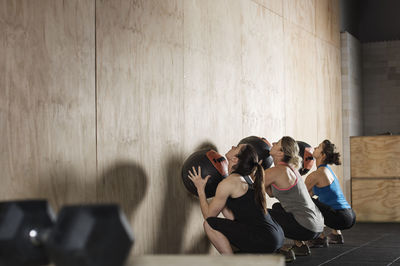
(296, 213)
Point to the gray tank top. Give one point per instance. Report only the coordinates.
(297, 201)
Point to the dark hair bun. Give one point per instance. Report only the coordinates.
(332, 157)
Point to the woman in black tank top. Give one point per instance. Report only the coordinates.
(248, 227)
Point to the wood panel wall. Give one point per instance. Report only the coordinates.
(103, 100)
(47, 100)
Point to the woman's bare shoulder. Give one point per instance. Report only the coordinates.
(274, 170)
(230, 179)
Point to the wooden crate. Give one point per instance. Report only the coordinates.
(375, 174)
(375, 157)
(376, 200)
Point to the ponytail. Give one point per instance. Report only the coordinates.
(259, 188)
(247, 165)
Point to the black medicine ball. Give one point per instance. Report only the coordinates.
(212, 163)
(305, 153)
(262, 147)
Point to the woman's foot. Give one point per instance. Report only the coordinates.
(288, 254)
(335, 239)
(319, 242)
(302, 250)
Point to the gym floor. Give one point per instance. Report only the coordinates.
(364, 244)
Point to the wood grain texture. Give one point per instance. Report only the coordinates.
(275, 6)
(300, 83)
(375, 156)
(47, 103)
(329, 98)
(327, 23)
(300, 13)
(212, 56)
(262, 80)
(140, 118)
(376, 200)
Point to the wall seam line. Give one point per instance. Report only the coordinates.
(95, 81)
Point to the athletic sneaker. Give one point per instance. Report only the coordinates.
(303, 250)
(319, 243)
(335, 239)
(289, 255)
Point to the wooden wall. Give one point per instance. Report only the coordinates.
(47, 100)
(103, 100)
(375, 173)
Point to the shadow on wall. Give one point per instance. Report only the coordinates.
(61, 185)
(178, 204)
(124, 183)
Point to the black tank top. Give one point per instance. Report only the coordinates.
(247, 211)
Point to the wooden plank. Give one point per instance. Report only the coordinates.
(329, 98)
(300, 83)
(327, 21)
(273, 5)
(212, 71)
(47, 100)
(301, 13)
(202, 260)
(262, 73)
(375, 156)
(140, 118)
(376, 200)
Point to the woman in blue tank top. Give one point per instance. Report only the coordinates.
(247, 226)
(323, 183)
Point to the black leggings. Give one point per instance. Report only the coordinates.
(290, 226)
(336, 219)
(248, 239)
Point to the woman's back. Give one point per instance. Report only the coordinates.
(328, 189)
(296, 200)
(246, 209)
(284, 176)
(249, 215)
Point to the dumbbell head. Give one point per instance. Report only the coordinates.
(90, 235)
(82, 235)
(21, 223)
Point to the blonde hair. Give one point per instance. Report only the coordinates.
(291, 152)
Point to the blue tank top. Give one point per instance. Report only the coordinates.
(331, 195)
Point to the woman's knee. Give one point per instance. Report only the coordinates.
(207, 225)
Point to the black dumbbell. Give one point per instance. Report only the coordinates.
(82, 235)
